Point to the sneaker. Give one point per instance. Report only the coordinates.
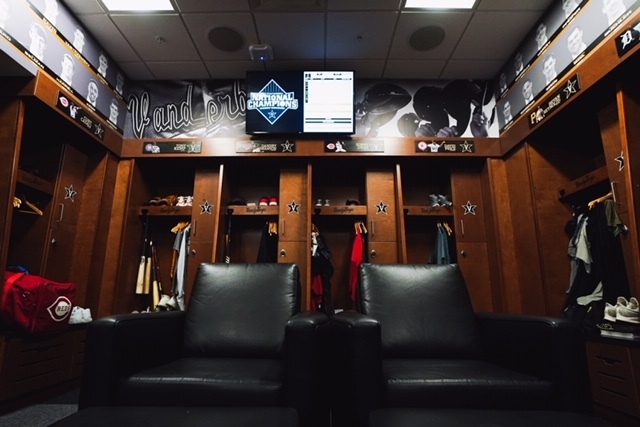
(264, 201)
(163, 304)
(76, 315)
(629, 313)
(172, 304)
(609, 312)
(433, 200)
(181, 201)
(443, 201)
(273, 201)
(188, 200)
(326, 202)
(86, 315)
(319, 203)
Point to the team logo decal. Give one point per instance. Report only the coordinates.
(60, 309)
(272, 101)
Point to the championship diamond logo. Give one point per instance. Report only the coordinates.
(272, 101)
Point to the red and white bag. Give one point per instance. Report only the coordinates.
(36, 304)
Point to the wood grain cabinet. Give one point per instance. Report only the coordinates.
(614, 371)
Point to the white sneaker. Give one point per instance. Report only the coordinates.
(163, 304)
(86, 315)
(76, 315)
(610, 312)
(630, 312)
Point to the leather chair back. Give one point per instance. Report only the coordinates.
(423, 310)
(241, 310)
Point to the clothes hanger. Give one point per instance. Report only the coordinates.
(33, 208)
(592, 203)
(446, 227)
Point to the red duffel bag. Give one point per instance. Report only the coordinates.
(36, 304)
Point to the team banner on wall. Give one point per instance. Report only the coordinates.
(217, 108)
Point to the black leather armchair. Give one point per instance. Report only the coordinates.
(241, 342)
(415, 341)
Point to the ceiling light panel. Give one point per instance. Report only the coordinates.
(439, 4)
(138, 5)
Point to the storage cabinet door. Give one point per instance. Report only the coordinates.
(381, 206)
(68, 194)
(294, 205)
(468, 206)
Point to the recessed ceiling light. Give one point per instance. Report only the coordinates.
(137, 5)
(439, 4)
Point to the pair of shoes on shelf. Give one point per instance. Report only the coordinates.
(168, 303)
(185, 201)
(623, 311)
(170, 200)
(439, 200)
(266, 201)
(320, 202)
(80, 315)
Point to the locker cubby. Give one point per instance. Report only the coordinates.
(250, 180)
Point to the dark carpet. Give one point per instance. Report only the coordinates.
(42, 414)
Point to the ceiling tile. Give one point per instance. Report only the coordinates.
(359, 35)
(141, 30)
(364, 4)
(212, 5)
(538, 5)
(292, 35)
(84, 6)
(286, 65)
(453, 23)
(484, 37)
(104, 30)
(200, 24)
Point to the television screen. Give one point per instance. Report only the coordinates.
(300, 102)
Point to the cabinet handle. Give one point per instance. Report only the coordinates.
(614, 192)
(283, 253)
(193, 252)
(193, 227)
(373, 253)
(54, 242)
(61, 213)
(373, 228)
(284, 230)
(463, 253)
(462, 226)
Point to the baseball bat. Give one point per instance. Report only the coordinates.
(154, 276)
(143, 257)
(147, 272)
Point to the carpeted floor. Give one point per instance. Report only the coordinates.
(42, 414)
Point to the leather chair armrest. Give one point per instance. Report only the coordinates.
(552, 348)
(357, 361)
(307, 337)
(121, 344)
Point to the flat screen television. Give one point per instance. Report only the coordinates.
(300, 103)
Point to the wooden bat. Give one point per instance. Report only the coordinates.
(154, 276)
(147, 272)
(143, 258)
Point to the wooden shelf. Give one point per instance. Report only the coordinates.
(592, 178)
(165, 210)
(341, 210)
(252, 210)
(428, 211)
(33, 181)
